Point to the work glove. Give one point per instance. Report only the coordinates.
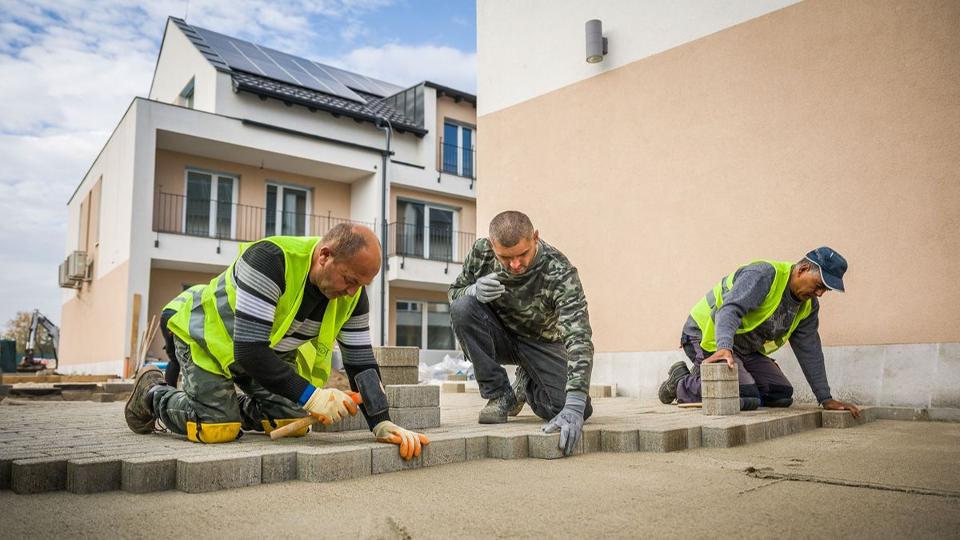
(410, 442)
(487, 288)
(569, 422)
(329, 405)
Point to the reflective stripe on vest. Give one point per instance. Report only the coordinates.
(206, 320)
(705, 311)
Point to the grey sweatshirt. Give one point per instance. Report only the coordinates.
(751, 284)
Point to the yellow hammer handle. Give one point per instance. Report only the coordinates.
(300, 423)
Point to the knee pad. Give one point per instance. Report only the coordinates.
(280, 422)
(213, 433)
(749, 403)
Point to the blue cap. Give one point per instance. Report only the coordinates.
(832, 266)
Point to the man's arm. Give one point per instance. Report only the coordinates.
(805, 342)
(472, 268)
(357, 351)
(573, 320)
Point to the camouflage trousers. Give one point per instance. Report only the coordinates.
(209, 409)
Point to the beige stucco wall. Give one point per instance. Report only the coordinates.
(165, 285)
(329, 197)
(824, 123)
(94, 322)
(467, 220)
(398, 294)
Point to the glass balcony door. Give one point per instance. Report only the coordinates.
(425, 231)
(287, 210)
(210, 205)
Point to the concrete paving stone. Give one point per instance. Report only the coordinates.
(103, 397)
(723, 436)
(721, 406)
(717, 372)
(117, 387)
(6, 460)
(591, 439)
(901, 413)
(507, 445)
(148, 473)
(476, 447)
(399, 375)
(720, 389)
(332, 464)
(413, 395)
(39, 475)
(76, 395)
(397, 357)
(385, 458)
(416, 417)
(943, 414)
(93, 475)
(619, 439)
(453, 387)
(547, 446)
(212, 473)
(350, 423)
(440, 451)
(278, 466)
(663, 440)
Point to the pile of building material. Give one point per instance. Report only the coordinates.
(398, 365)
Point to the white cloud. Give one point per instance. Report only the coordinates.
(410, 64)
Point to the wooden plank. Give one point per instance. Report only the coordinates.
(134, 337)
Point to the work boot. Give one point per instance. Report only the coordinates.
(519, 391)
(668, 390)
(139, 408)
(497, 408)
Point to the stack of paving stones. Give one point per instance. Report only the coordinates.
(603, 390)
(413, 406)
(398, 365)
(87, 448)
(720, 389)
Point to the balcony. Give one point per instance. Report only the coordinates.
(422, 257)
(457, 161)
(208, 218)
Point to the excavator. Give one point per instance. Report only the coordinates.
(28, 363)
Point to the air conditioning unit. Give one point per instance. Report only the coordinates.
(73, 271)
(65, 280)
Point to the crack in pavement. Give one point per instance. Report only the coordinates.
(770, 474)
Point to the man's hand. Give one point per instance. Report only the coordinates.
(487, 288)
(329, 405)
(410, 442)
(569, 422)
(722, 355)
(834, 405)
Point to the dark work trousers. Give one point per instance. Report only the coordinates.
(172, 374)
(759, 377)
(490, 346)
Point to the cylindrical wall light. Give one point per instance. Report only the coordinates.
(596, 43)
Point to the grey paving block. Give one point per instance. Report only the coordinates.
(591, 439)
(717, 372)
(443, 451)
(547, 446)
(721, 406)
(386, 458)
(397, 357)
(103, 397)
(507, 446)
(6, 460)
(200, 474)
(148, 473)
(416, 417)
(118, 387)
(723, 436)
(76, 395)
(399, 375)
(453, 387)
(278, 466)
(332, 464)
(720, 389)
(901, 413)
(663, 440)
(943, 414)
(476, 447)
(350, 423)
(413, 395)
(39, 475)
(93, 475)
(619, 439)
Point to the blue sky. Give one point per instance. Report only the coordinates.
(69, 68)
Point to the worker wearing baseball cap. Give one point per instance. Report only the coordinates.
(750, 314)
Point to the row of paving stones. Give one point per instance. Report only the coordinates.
(86, 456)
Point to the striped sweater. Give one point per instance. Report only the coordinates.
(259, 278)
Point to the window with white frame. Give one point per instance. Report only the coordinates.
(458, 149)
(425, 230)
(186, 95)
(287, 209)
(210, 208)
(424, 324)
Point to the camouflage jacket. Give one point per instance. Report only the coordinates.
(545, 303)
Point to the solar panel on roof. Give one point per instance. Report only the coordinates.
(313, 76)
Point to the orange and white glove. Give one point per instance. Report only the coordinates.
(410, 442)
(329, 405)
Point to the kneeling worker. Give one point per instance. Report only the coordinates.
(267, 324)
(519, 301)
(750, 314)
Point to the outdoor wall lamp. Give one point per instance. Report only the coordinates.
(596, 43)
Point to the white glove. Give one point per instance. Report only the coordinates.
(330, 405)
(487, 288)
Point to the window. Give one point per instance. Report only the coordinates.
(458, 149)
(210, 208)
(186, 95)
(425, 230)
(287, 210)
(420, 323)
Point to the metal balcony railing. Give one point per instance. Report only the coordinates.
(438, 243)
(458, 160)
(173, 213)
